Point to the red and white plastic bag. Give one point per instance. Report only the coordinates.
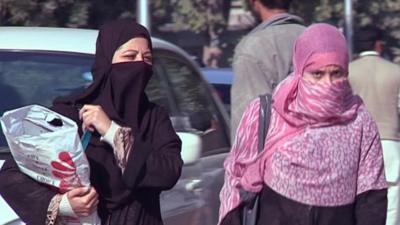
(46, 147)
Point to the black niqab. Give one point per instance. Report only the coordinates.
(118, 88)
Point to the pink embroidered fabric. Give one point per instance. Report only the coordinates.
(52, 217)
(123, 142)
(322, 146)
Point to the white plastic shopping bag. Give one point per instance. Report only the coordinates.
(46, 147)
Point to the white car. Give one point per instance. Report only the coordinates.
(38, 64)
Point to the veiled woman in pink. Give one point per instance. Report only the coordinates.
(322, 162)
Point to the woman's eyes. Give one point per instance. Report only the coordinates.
(320, 74)
(338, 74)
(130, 56)
(148, 58)
(317, 74)
(134, 56)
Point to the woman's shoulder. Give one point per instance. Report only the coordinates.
(363, 113)
(158, 110)
(253, 107)
(364, 117)
(251, 113)
(254, 104)
(158, 113)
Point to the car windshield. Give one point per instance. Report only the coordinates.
(38, 77)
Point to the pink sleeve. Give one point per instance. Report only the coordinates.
(371, 173)
(244, 150)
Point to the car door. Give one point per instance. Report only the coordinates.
(182, 205)
(194, 100)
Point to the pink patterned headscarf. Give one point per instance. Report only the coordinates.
(316, 135)
(303, 103)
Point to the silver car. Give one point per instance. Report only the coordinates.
(38, 64)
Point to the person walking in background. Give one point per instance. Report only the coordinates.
(134, 152)
(322, 162)
(263, 58)
(217, 23)
(377, 82)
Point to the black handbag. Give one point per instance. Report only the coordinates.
(250, 200)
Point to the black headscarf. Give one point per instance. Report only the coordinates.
(118, 88)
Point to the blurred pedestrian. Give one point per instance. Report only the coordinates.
(217, 23)
(263, 58)
(377, 82)
(134, 153)
(322, 162)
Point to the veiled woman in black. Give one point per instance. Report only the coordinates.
(134, 153)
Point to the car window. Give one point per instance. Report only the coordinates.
(35, 77)
(224, 93)
(157, 89)
(38, 77)
(194, 100)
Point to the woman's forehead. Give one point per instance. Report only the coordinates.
(137, 43)
(332, 67)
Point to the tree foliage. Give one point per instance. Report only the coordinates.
(44, 13)
(64, 13)
(195, 15)
(382, 13)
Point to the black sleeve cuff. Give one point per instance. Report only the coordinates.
(134, 170)
(371, 207)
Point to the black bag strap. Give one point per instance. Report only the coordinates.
(247, 198)
(250, 199)
(263, 124)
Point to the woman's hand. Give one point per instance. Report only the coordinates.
(94, 118)
(83, 200)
